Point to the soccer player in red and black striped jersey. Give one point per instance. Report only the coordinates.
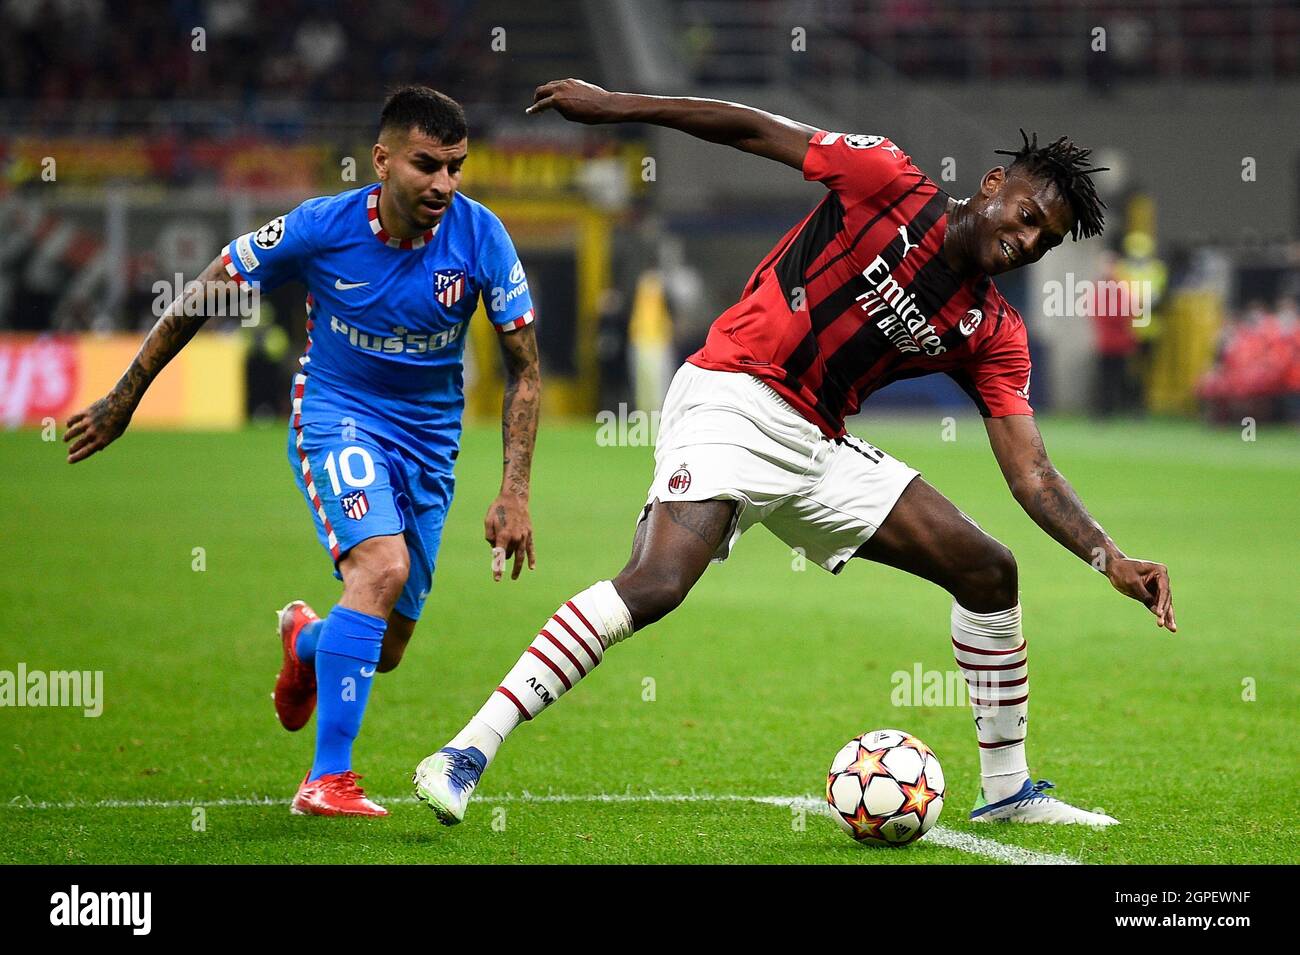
(887, 278)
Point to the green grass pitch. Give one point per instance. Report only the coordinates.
(1189, 739)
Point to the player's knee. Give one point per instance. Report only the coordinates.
(386, 580)
(649, 598)
(378, 578)
(991, 581)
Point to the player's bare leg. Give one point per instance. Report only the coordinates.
(671, 550)
(926, 535)
(348, 654)
(396, 638)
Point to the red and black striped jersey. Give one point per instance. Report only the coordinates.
(858, 295)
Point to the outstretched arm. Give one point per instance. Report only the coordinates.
(742, 127)
(1049, 499)
(96, 427)
(508, 526)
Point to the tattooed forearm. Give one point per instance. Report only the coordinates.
(1057, 509)
(1049, 499)
(99, 424)
(165, 340)
(520, 409)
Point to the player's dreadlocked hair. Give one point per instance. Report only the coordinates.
(1064, 164)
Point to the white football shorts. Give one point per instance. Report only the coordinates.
(729, 436)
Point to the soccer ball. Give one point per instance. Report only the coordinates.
(885, 788)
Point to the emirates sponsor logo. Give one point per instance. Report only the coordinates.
(896, 313)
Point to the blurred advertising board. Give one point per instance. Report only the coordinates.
(52, 376)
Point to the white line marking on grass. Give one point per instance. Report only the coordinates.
(961, 841)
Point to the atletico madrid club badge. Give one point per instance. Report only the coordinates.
(355, 504)
(448, 286)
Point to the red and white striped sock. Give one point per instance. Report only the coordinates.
(568, 647)
(990, 649)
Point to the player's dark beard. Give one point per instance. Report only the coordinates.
(411, 208)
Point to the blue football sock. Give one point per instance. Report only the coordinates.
(347, 653)
(305, 646)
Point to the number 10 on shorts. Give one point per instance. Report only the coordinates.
(347, 466)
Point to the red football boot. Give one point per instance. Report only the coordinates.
(295, 686)
(334, 794)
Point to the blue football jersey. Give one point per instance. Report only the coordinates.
(386, 316)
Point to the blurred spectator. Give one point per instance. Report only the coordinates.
(1140, 268)
(73, 58)
(1112, 318)
(1038, 40)
(72, 55)
(1257, 372)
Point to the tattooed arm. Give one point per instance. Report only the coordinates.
(1049, 499)
(508, 525)
(96, 427)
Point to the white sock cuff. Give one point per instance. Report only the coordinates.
(1004, 624)
(615, 618)
(1004, 760)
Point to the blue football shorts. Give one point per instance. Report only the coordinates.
(360, 482)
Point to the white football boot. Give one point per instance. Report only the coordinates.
(446, 780)
(1032, 804)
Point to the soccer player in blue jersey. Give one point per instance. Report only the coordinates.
(394, 271)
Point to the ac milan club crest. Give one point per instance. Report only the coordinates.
(448, 286)
(680, 482)
(355, 504)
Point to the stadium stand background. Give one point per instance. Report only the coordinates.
(165, 151)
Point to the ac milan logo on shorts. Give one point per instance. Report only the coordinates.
(680, 481)
(448, 286)
(355, 504)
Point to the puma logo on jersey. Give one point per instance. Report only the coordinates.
(343, 286)
(908, 245)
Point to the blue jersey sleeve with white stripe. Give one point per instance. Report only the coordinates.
(501, 277)
(276, 253)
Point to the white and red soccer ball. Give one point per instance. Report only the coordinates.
(885, 788)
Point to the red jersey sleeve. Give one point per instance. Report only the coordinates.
(854, 165)
(997, 376)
